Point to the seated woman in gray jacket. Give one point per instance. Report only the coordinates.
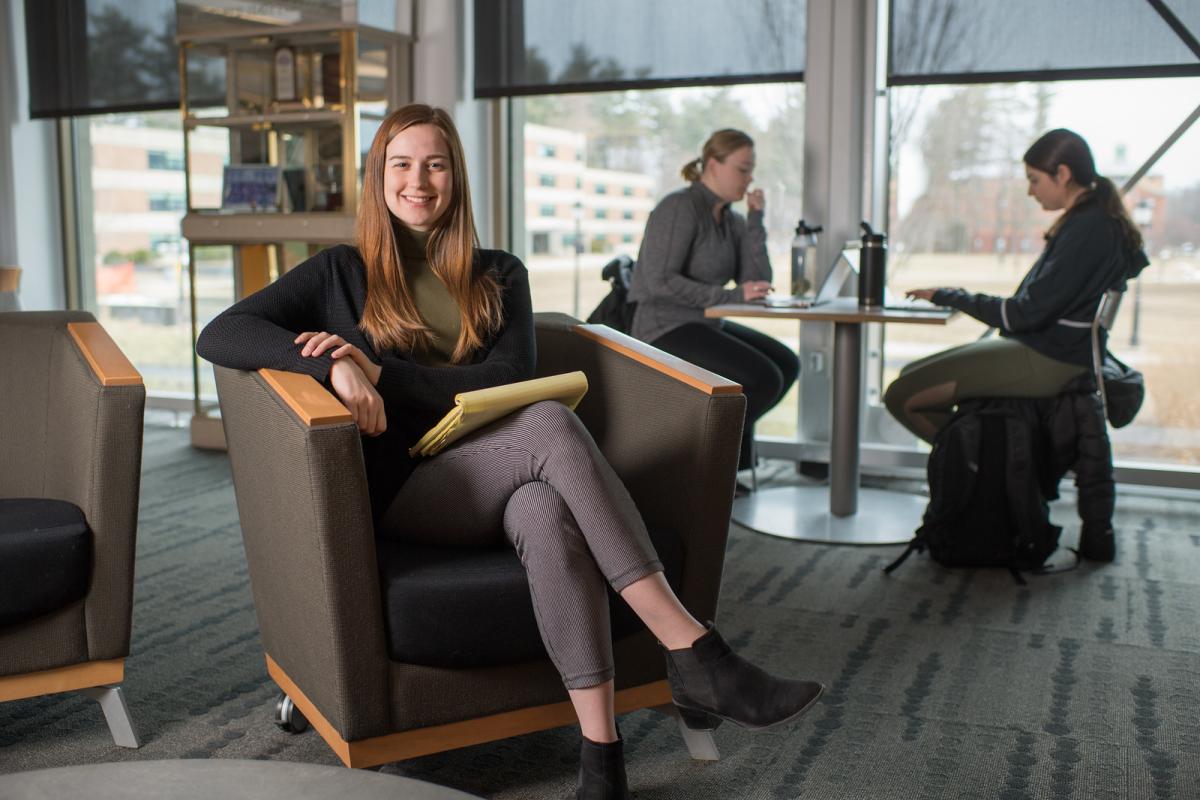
(1045, 326)
(693, 246)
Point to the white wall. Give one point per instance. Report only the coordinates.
(30, 227)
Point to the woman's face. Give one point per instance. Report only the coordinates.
(1052, 191)
(417, 177)
(729, 179)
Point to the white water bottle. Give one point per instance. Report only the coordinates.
(805, 238)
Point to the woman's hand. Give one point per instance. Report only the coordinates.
(318, 342)
(359, 396)
(755, 290)
(755, 201)
(921, 294)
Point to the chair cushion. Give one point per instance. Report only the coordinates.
(461, 607)
(45, 557)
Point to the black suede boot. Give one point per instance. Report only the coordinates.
(602, 771)
(710, 683)
(1097, 543)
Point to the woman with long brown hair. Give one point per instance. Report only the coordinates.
(1045, 326)
(418, 312)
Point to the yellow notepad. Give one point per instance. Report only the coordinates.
(473, 410)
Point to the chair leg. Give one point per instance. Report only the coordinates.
(700, 744)
(116, 714)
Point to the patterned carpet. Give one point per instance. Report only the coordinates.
(944, 684)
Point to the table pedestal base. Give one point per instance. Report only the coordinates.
(802, 513)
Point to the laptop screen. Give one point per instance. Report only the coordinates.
(842, 280)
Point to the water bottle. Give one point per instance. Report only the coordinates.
(805, 238)
(872, 268)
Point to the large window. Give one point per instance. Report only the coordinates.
(133, 260)
(959, 216)
(622, 151)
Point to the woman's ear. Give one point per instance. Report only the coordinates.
(1062, 175)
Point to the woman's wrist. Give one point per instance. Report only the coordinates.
(372, 371)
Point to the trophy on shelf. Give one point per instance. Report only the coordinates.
(287, 96)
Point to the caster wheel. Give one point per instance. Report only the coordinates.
(288, 717)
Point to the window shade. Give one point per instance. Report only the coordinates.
(101, 56)
(525, 47)
(983, 41)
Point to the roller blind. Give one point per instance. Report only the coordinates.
(525, 47)
(983, 41)
(101, 56)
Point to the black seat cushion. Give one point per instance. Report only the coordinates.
(45, 557)
(459, 607)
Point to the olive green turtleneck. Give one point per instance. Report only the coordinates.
(433, 300)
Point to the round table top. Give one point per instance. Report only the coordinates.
(205, 779)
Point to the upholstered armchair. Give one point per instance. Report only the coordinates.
(70, 459)
(356, 631)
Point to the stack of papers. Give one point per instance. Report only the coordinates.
(473, 410)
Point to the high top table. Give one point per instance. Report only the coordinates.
(853, 515)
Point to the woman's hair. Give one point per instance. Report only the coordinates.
(1061, 147)
(718, 146)
(390, 316)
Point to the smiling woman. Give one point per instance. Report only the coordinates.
(417, 314)
(418, 183)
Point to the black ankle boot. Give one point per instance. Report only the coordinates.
(602, 771)
(1097, 542)
(709, 683)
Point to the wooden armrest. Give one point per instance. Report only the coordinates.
(677, 368)
(102, 354)
(309, 399)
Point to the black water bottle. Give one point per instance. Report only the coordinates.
(872, 268)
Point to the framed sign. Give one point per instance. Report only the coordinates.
(250, 187)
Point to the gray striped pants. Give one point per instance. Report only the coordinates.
(537, 477)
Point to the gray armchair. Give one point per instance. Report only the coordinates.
(351, 628)
(70, 460)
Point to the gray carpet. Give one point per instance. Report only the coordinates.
(944, 684)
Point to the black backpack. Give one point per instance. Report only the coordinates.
(988, 491)
(615, 310)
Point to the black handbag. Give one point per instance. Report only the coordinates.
(1124, 390)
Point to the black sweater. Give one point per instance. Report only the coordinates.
(1053, 307)
(327, 293)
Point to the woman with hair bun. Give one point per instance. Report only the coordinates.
(397, 325)
(1045, 326)
(693, 246)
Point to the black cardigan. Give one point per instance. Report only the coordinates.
(327, 293)
(1053, 308)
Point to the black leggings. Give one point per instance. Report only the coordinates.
(765, 367)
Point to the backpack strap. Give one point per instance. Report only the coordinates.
(917, 543)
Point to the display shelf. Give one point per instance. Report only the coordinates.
(317, 227)
(277, 117)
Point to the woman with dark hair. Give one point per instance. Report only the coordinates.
(416, 313)
(693, 246)
(1045, 326)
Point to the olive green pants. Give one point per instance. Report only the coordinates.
(923, 397)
